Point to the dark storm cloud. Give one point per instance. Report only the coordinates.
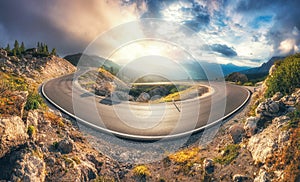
(224, 50)
(27, 21)
(286, 21)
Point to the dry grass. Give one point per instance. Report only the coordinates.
(56, 120)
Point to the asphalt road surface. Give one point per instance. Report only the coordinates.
(142, 120)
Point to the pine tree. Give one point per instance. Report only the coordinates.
(22, 48)
(53, 52)
(16, 45)
(38, 46)
(45, 50)
(16, 50)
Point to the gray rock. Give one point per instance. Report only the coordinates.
(208, 166)
(161, 91)
(12, 133)
(269, 108)
(251, 125)
(236, 132)
(143, 97)
(66, 146)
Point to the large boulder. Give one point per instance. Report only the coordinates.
(251, 125)
(12, 133)
(236, 132)
(143, 97)
(29, 166)
(66, 145)
(269, 109)
(261, 147)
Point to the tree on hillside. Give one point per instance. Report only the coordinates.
(53, 52)
(16, 50)
(22, 48)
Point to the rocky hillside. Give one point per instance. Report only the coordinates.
(38, 143)
(36, 68)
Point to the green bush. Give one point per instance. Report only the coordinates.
(286, 77)
(34, 101)
(230, 153)
(31, 130)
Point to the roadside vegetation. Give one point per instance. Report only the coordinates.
(286, 77)
(9, 103)
(229, 153)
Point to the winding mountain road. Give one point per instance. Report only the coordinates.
(141, 121)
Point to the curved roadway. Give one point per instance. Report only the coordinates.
(144, 121)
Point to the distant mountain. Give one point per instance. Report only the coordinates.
(230, 68)
(92, 61)
(212, 68)
(263, 69)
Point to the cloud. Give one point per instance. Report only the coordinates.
(285, 22)
(224, 50)
(67, 25)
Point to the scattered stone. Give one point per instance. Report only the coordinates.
(283, 137)
(32, 118)
(208, 166)
(289, 100)
(251, 125)
(66, 146)
(236, 132)
(12, 133)
(143, 97)
(277, 96)
(280, 121)
(262, 176)
(239, 178)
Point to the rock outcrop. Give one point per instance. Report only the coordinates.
(144, 97)
(29, 164)
(251, 125)
(237, 133)
(35, 67)
(12, 134)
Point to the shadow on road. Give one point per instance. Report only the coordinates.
(109, 101)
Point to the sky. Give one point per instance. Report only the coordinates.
(236, 31)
